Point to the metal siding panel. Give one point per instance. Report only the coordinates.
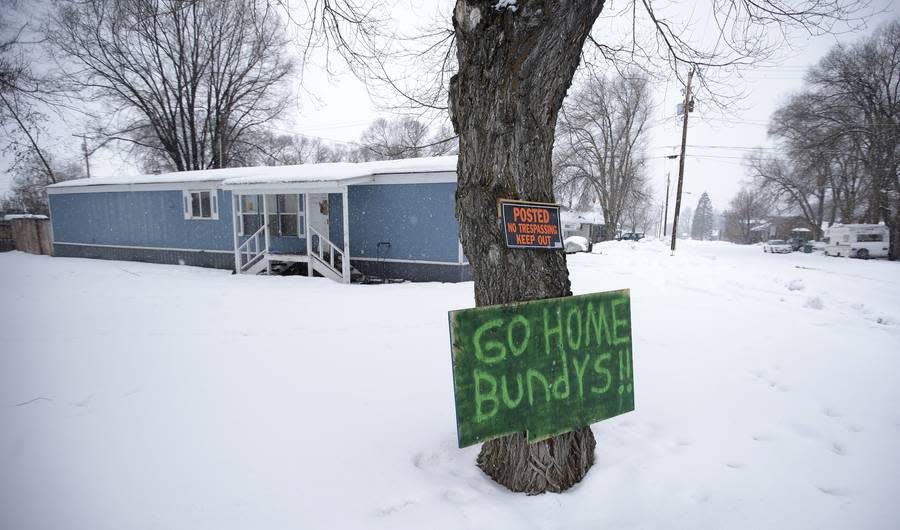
(141, 218)
(214, 260)
(419, 220)
(336, 219)
(286, 245)
(416, 272)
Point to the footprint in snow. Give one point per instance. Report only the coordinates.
(394, 508)
(795, 285)
(838, 449)
(814, 302)
(700, 497)
(84, 402)
(427, 459)
(834, 491)
(805, 431)
(458, 496)
(830, 412)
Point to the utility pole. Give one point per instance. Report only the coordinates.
(662, 220)
(686, 109)
(666, 214)
(84, 149)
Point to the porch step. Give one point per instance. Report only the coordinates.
(325, 270)
(292, 258)
(257, 267)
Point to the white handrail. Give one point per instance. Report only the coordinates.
(319, 252)
(250, 257)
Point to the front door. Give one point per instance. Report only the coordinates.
(318, 213)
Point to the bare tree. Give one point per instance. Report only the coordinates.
(857, 88)
(186, 80)
(640, 211)
(839, 139)
(746, 210)
(514, 64)
(268, 148)
(405, 137)
(20, 91)
(601, 144)
(30, 179)
(799, 185)
(394, 139)
(814, 136)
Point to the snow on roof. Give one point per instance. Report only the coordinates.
(280, 174)
(573, 216)
(10, 217)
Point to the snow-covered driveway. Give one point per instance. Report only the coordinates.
(136, 396)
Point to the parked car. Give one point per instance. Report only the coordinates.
(813, 246)
(799, 238)
(630, 236)
(858, 241)
(777, 246)
(575, 244)
(797, 243)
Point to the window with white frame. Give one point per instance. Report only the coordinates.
(200, 204)
(286, 215)
(249, 214)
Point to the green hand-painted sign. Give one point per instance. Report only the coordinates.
(544, 366)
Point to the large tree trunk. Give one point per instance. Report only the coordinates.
(515, 66)
(894, 237)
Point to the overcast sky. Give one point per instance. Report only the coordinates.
(338, 108)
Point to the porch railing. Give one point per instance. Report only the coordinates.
(254, 249)
(326, 251)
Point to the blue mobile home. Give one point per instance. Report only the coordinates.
(393, 218)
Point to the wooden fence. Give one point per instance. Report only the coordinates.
(32, 235)
(7, 242)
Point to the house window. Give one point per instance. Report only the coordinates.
(249, 214)
(200, 204)
(286, 215)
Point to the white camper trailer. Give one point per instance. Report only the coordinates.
(857, 241)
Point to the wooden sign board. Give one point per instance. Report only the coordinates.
(531, 224)
(545, 367)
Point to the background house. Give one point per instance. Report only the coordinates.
(588, 224)
(393, 219)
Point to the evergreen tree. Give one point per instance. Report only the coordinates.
(704, 219)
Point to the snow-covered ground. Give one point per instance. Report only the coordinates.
(137, 396)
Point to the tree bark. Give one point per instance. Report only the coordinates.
(515, 65)
(893, 225)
